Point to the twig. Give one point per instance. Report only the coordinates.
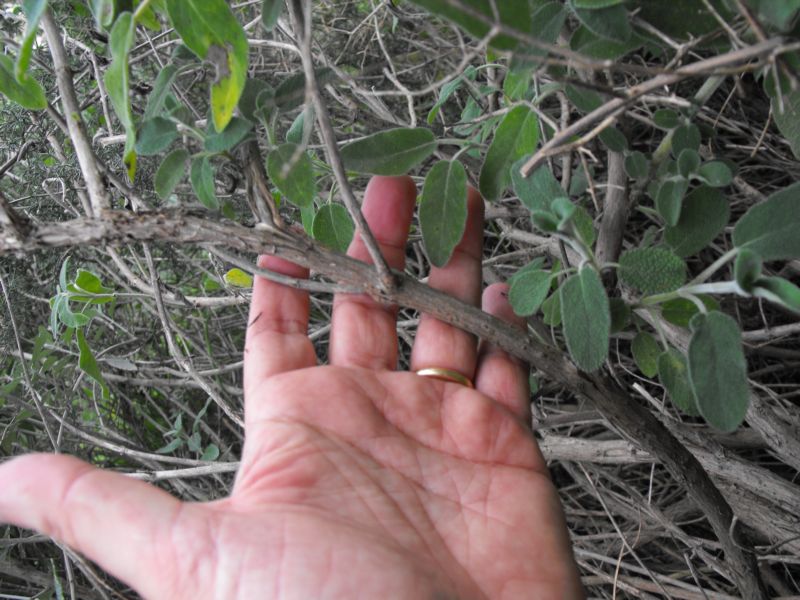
(176, 352)
(617, 105)
(98, 194)
(301, 22)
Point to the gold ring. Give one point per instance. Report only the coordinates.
(446, 375)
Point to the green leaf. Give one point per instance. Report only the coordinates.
(718, 370)
(88, 364)
(563, 209)
(294, 134)
(685, 136)
(448, 89)
(547, 22)
(669, 200)
(202, 177)
(583, 226)
(333, 227)
(683, 19)
(291, 92)
(584, 99)
(257, 100)
(652, 270)
(620, 314)
(673, 372)
(704, 214)
(715, 173)
(747, 269)
(171, 171)
(646, 350)
(294, 180)
(528, 291)
(91, 283)
(514, 14)
(593, 4)
(551, 310)
(155, 136)
(636, 165)
(788, 119)
(392, 152)
(270, 12)
(443, 211)
(779, 14)
(239, 278)
(610, 22)
(28, 93)
(161, 89)
(587, 319)
(233, 134)
(516, 136)
(666, 118)
(688, 163)
(104, 11)
(681, 310)
(34, 9)
(778, 290)
(537, 190)
(118, 84)
(210, 30)
(211, 453)
(770, 228)
(586, 42)
(614, 139)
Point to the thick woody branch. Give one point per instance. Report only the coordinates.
(98, 193)
(630, 418)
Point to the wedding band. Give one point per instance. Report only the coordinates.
(446, 375)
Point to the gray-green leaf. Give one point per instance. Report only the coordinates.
(392, 152)
(28, 93)
(770, 228)
(645, 350)
(443, 211)
(673, 372)
(670, 199)
(704, 214)
(297, 184)
(652, 270)
(715, 173)
(333, 227)
(528, 291)
(155, 136)
(586, 317)
(718, 370)
(516, 136)
(222, 141)
(270, 12)
(537, 190)
(202, 176)
(171, 171)
(778, 290)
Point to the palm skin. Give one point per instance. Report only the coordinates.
(356, 481)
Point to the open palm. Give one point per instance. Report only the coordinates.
(356, 480)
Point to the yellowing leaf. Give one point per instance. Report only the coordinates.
(238, 278)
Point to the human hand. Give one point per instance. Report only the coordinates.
(356, 480)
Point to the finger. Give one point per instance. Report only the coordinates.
(438, 344)
(363, 332)
(277, 330)
(118, 522)
(499, 375)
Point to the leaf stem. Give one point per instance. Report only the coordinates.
(715, 266)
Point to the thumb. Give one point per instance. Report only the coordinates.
(122, 524)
